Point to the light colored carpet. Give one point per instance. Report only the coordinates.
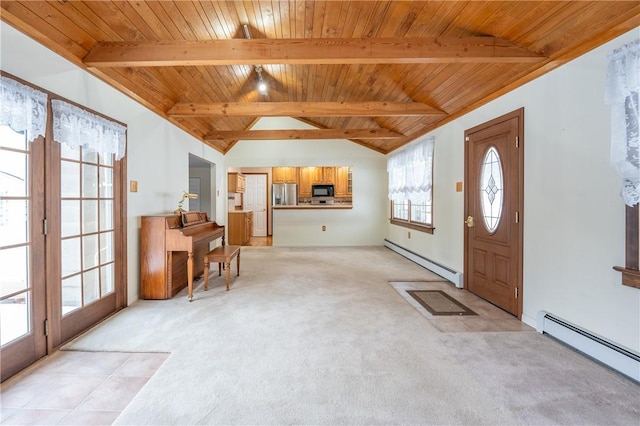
(319, 336)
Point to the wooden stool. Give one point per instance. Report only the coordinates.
(220, 255)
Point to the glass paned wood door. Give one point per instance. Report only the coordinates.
(87, 228)
(22, 287)
(87, 244)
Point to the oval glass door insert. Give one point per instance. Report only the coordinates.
(491, 189)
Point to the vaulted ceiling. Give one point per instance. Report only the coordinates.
(379, 73)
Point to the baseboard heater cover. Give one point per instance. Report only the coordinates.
(447, 273)
(617, 357)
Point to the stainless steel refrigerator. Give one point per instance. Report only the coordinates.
(284, 194)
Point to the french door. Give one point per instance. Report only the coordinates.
(22, 252)
(62, 245)
(82, 240)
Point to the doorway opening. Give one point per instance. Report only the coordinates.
(202, 178)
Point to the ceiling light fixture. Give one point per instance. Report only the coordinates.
(262, 84)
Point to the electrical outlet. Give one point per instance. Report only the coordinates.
(133, 186)
(409, 235)
(324, 228)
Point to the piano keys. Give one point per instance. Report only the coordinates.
(172, 249)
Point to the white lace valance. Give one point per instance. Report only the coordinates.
(77, 127)
(622, 89)
(411, 171)
(24, 108)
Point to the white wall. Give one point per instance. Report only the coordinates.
(157, 151)
(363, 225)
(573, 214)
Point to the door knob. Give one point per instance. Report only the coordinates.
(469, 221)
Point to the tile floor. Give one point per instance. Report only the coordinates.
(489, 318)
(76, 388)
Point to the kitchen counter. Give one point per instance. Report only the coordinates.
(315, 207)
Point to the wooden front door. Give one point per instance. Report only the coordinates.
(494, 157)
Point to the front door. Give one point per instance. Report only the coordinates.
(494, 157)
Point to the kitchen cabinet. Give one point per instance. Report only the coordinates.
(240, 227)
(344, 182)
(307, 176)
(325, 175)
(284, 175)
(305, 179)
(236, 183)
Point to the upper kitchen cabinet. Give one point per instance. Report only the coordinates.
(340, 177)
(325, 175)
(344, 182)
(305, 180)
(308, 176)
(284, 175)
(236, 183)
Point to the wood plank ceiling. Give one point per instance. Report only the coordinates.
(379, 73)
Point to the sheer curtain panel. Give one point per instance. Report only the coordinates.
(24, 109)
(622, 89)
(411, 173)
(77, 128)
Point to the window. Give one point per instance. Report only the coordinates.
(410, 186)
(622, 94)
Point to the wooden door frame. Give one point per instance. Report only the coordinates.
(519, 114)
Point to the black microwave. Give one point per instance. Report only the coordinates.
(322, 190)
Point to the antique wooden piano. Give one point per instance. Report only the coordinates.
(172, 249)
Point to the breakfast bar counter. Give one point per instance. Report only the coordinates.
(315, 207)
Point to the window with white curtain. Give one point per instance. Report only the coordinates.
(411, 185)
(622, 88)
(622, 94)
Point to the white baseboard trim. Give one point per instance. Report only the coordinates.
(445, 272)
(600, 349)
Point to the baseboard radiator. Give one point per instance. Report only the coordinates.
(447, 273)
(600, 349)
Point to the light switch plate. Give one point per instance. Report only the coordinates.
(458, 186)
(133, 186)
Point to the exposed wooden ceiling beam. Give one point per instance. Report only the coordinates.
(303, 109)
(302, 134)
(397, 50)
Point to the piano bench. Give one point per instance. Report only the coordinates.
(220, 255)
